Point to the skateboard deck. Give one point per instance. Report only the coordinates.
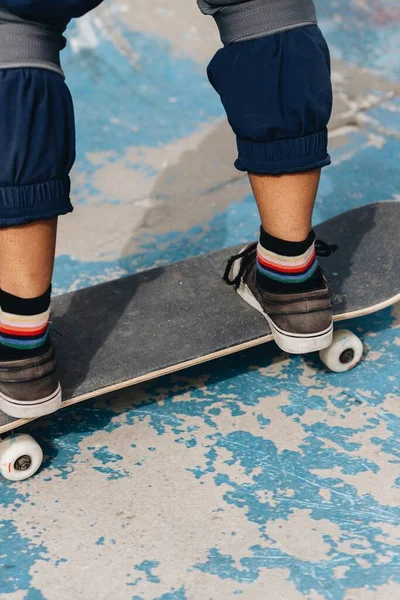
(124, 332)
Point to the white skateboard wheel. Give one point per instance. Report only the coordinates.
(20, 457)
(344, 353)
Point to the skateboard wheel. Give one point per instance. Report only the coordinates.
(20, 457)
(344, 353)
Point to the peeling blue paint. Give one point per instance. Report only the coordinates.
(105, 455)
(17, 555)
(147, 567)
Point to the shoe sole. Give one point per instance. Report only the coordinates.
(33, 409)
(291, 343)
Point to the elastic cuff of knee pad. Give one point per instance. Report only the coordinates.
(283, 156)
(24, 204)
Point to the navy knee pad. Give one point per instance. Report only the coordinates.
(277, 94)
(38, 145)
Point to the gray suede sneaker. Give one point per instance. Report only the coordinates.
(300, 322)
(29, 387)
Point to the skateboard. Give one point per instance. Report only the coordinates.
(131, 330)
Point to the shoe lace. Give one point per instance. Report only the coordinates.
(248, 255)
(325, 250)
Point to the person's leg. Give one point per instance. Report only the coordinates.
(27, 258)
(277, 94)
(38, 150)
(286, 257)
(279, 197)
(36, 155)
(26, 264)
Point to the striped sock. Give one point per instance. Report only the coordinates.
(287, 267)
(24, 325)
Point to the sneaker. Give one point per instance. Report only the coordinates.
(299, 322)
(29, 387)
